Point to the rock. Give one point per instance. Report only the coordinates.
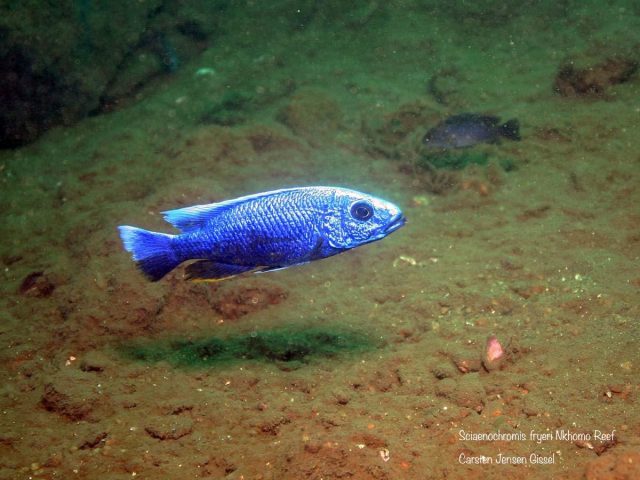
(272, 426)
(93, 441)
(31, 97)
(444, 370)
(61, 62)
(94, 361)
(58, 402)
(136, 71)
(493, 354)
(341, 396)
(76, 396)
(465, 361)
(594, 79)
(312, 447)
(37, 284)
(171, 428)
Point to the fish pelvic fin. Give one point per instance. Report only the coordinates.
(152, 251)
(209, 271)
(511, 129)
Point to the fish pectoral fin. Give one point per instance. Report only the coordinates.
(209, 271)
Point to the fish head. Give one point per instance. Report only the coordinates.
(356, 218)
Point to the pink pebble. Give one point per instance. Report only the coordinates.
(494, 349)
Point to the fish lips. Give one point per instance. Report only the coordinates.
(397, 221)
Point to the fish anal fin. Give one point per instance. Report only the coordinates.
(210, 271)
(277, 267)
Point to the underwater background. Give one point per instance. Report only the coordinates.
(494, 336)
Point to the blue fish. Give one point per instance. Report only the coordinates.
(469, 129)
(262, 232)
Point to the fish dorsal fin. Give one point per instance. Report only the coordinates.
(193, 218)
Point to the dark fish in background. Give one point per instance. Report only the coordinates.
(469, 129)
(262, 232)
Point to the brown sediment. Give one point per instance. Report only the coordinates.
(594, 80)
(240, 301)
(543, 256)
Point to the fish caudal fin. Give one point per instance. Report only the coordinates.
(511, 129)
(152, 252)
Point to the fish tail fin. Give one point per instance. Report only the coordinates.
(511, 129)
(152, 252)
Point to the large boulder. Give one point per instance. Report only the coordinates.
(61, 61)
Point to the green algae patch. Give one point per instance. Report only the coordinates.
(281, 345)
(452, 161)
(460, 160)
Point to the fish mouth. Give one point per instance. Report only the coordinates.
(395, 223)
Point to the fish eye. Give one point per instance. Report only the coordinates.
(362, 211)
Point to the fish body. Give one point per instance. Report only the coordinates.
(262, 232)
(469, 129)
